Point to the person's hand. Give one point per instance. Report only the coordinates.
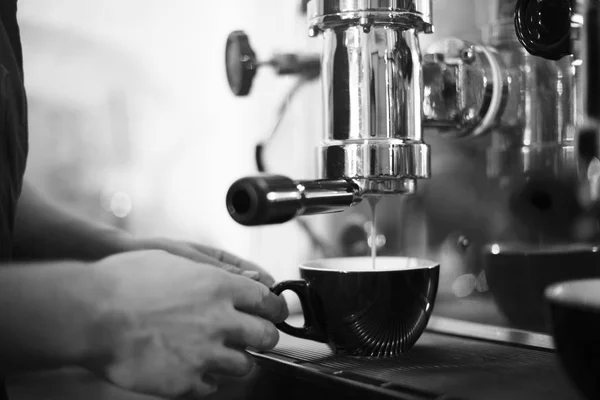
(171, 327)
(203, 254)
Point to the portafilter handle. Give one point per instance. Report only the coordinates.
(275, 199)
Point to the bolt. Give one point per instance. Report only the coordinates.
(366, 24)
(469, 116)
(468, 55)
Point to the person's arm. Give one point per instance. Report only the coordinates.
(46, 316)
(45, 231)
(156, 332)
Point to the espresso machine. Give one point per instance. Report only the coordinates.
(512, 208)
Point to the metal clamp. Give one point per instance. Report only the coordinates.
(465, 88)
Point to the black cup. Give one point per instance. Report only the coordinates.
(361, 311)
(518, 275)
(575, 316)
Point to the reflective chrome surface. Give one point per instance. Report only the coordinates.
(372, 89)
(536, 130)
(465, 88)
(490, 333)
(585, 25)
(372, 85)
(324, 14)
(326, 7)
(391, 166)
(585, 34)
(320, 197)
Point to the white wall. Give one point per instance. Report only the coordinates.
(183, 137)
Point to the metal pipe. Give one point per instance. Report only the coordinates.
(586, 20)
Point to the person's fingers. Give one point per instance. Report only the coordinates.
(197, 256)
(229, 362)
(189, 251)
(235, 261)
(208, 255)
(257, 299)
(250, 331)
(192, 254)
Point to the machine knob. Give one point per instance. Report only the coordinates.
(240, 62)
(544, 27)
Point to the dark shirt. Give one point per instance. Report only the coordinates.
(13, 124)
(13, 129)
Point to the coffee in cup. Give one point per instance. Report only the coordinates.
(361, 311)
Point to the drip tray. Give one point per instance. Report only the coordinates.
(438, 366)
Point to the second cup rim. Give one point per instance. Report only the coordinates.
(423, 264)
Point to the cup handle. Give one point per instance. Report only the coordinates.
(309, 330)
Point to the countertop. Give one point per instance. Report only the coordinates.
(442, 364)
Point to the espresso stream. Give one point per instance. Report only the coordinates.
(373, 200)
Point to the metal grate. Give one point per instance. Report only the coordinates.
(446, 365)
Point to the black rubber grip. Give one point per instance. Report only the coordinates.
(263, 200)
